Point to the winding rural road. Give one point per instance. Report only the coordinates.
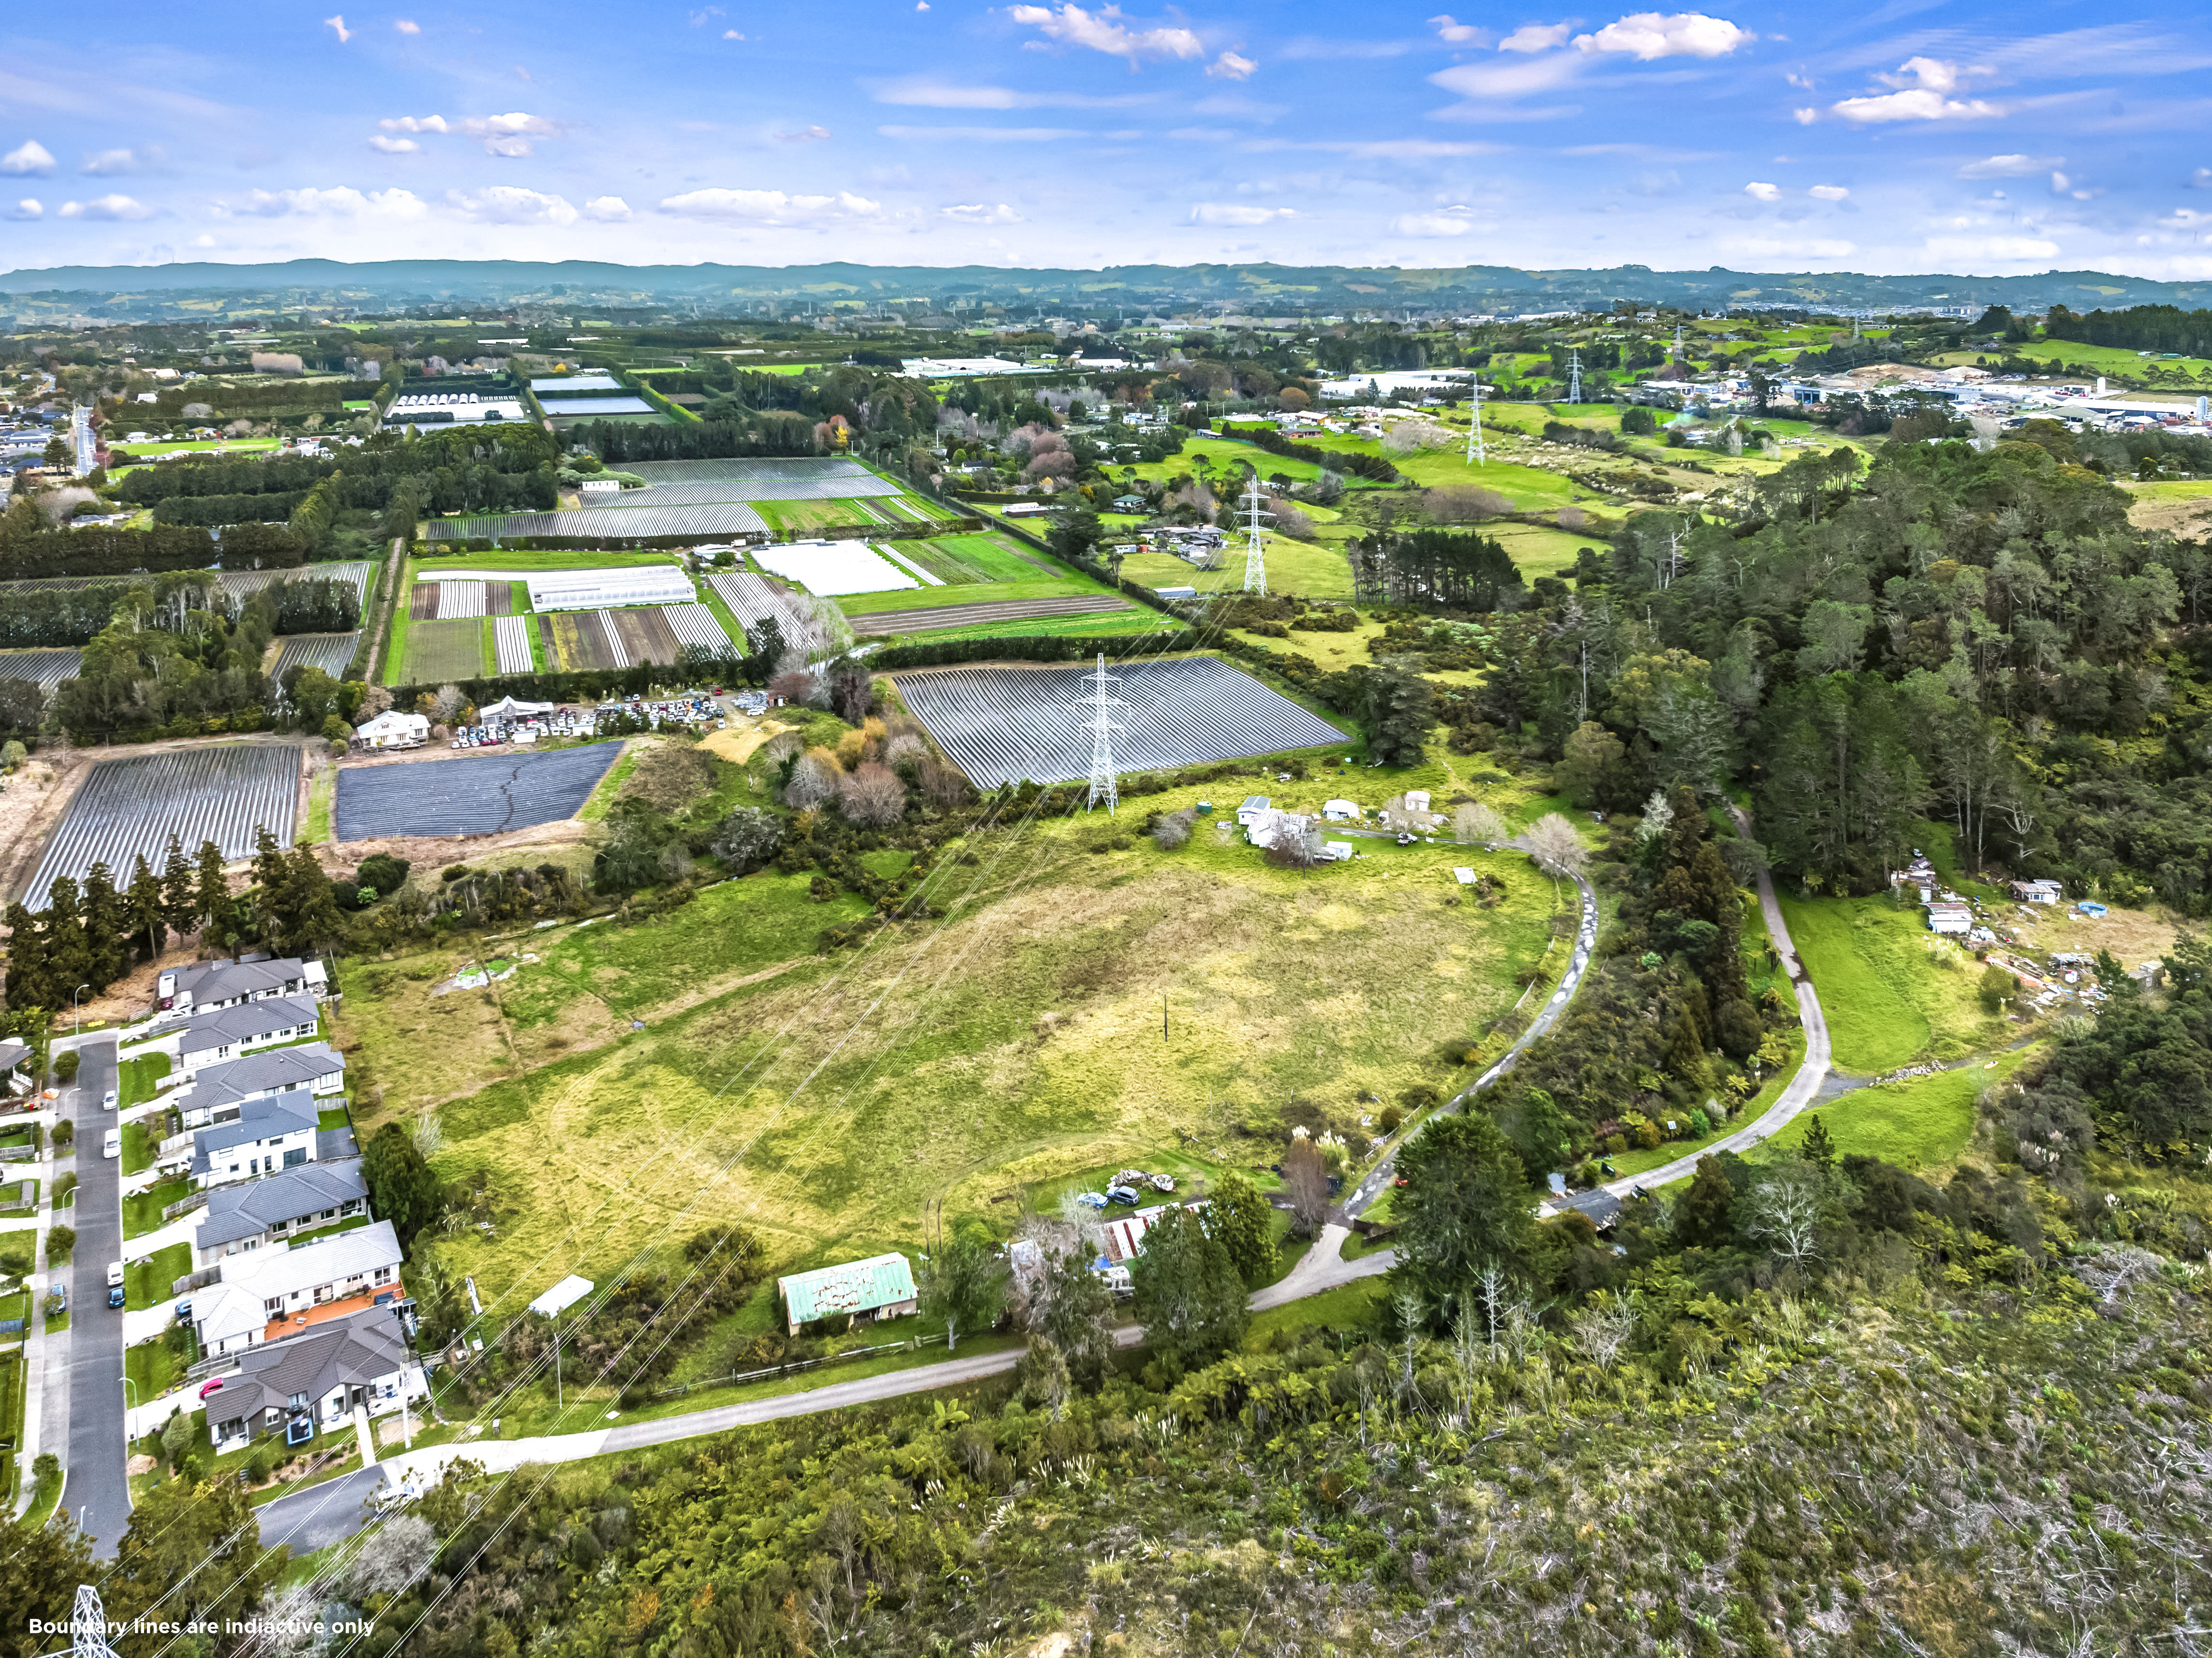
(323, 1514)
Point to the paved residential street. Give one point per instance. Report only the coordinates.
(97, 1491)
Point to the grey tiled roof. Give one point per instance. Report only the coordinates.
(217, 1085)
(220, 981)
(236, 1212)
(230, 1026)
(265, 1118)
(351, 1351)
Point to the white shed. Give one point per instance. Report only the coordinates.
(1256, 807)
(1341, 811)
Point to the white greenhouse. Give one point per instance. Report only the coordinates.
(609, 589)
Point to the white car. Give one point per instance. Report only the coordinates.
(113, 1146)
(115, 1273)
(107, 1101)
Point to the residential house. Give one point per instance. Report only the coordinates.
(2039, 892)
(263, 1290)
(272, 1133)
(216, 1094)
(393, 728)
(255, 1214)
(1255, 807)
(1130, 503)
(1273, 828)
(316, 1381)
(209, 1039)
(1957, 919)
(881, 1287)
(15, 1060)
(206, 985)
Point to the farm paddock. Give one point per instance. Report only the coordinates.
(486, 793)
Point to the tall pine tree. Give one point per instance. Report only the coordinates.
(179, 905)
(30, 977)
(211, 892)
(150, 927)
(68, 960)
(107, 927)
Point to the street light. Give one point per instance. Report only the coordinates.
(77, 1007)
(129, 1397)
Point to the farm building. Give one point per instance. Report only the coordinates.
(206, 985)
(255, 1214)
(393, 728)
(1341, 811)
(604, 589)
(1952, 919)
(1175, 593)
(316, 1381)
(261, 1292)
(1255, 807)
(881, 1287)
(2039, 892)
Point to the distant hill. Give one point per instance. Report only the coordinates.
(127, 292)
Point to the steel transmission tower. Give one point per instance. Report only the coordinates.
(89, 1625)
(1574, 374)
(1677, 341)
(1102, 729)
(1255, 557)
(1475, 455)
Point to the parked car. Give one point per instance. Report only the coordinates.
(108, 1099)
(115, 1273)
(1092, 1199)
(1121, 1194)
(115, 1297)
(113, 1145)
(208, 1387)
(184, 1312)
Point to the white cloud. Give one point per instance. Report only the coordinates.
(1924, 85)
(338, 23)
(508, 204)
(1449, 28)
(416, 124)
(408, 26)
(341, 201)
(393, 146)
(982, 213)
(1806, 117)
(509, 135)
(1502, 80)
(1920, 104)
(770, 207)
(806, 135)
(731, 35)
(1828, 192)
(922, 92)
(1433, 224)
(106, 207)
(1970, 249)
(922, 5)
(109, 164)
(1536, 37)
(29, 156)
(2201, 178)
(607, 210)
(1764, 193)
(29, 208)
(1105, 32)
(2010, 167)
(1401, 149)
(1649, 34)
(1236, 213)
(1231, 67)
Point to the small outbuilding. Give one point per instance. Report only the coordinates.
(1341, 811)
(1256, 807)
(881, 1287)
(1957, 919)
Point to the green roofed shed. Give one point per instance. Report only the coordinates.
(881, 1287)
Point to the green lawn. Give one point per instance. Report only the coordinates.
(1923, 1123)
(1137, 620)
(299, 1239)
(873, 604)
(148, 1281)
(1310, 570)
(135, 1079)
(154, 1367)
(139, 1148)
(142, 1211)
(1893, 991)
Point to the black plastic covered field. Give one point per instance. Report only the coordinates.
(482, 794)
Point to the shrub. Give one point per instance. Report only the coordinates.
(61, 1241)
(1392, 1119)
(65, 1066)
(65, 1133)
(873, 796)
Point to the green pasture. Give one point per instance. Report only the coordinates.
(875, 604)
(1893, 992)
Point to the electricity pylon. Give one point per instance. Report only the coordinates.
(1102, 729)
(1574, 374)
(1255, 557)
(1475, 455)
(89, 1625)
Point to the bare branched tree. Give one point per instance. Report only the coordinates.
(1557, 848)
(1306, 1179)
(2113, 1269)
(1785, 1210)
(1479, 824)
(1603, 1328)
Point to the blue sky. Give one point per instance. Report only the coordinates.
(1898, 138)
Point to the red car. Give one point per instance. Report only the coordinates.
(208, 1387)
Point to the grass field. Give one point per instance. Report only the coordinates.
(1889, 997)
(423, 569)
(441, 650)
(977, 557)
(873, 604)
(2115, 361)
(1923, 1123)
(147, 1281)
(827, 1100)
(142, 1211)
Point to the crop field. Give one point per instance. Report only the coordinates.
(1018, 1042)
(223, 793)
(47, 668)
(760, 471)
(696, 625)
(355, 572)
(641, 636)
(796, 518)
(482, 793)
(980, 556)
(444, 651)
(510, 638)
(725, 518)
(499, 598)
(1004, 724)
(706, 493)
(834, 568)
(582, 639)
(333, 653)
(458, 600)
(755, 598)
(1002, 610)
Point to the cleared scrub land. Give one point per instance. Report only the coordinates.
(226, 793)
(333, 653)
(44, 668)
(1005, 724)
(485, 795)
